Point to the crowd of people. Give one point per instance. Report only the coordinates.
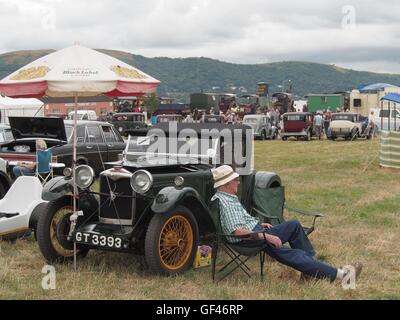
(231, 116)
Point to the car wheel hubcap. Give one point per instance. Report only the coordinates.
(56, 237)
(176, 242)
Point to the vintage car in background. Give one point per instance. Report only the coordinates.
(297, 124)
(153, 202)
(97, 142)
(262, 126)
(165, 118)
(128, 122)
(348, 125)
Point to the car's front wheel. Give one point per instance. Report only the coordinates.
(171, 241)
(52, 231)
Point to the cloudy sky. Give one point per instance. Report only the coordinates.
(357, 34)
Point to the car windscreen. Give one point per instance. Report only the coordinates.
(182, 147)
(346, 117)
(81, 133)
(68, 131)
(250, 120)
(79, 116)
(295, 117)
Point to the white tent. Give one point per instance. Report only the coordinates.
(20, 107)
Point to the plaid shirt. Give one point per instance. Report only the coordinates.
(233, 215)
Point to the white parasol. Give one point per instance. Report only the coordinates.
(77, 71)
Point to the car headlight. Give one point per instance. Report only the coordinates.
(84, 176)
(67, 172)
(141, 181)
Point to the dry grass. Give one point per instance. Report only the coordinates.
(341, 179)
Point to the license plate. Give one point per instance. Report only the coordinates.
(98, 240)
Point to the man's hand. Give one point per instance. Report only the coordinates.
(266, 225)
(275, 241)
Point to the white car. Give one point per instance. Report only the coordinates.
(19, 214)
(348, 126)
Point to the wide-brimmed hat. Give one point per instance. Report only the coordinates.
(223, 174)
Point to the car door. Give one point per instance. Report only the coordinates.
(95, 147)
(114, 142)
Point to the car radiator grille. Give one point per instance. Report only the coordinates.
(122, 209)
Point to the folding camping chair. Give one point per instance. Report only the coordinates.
(269, 205)
(44, 170)
(237, 253)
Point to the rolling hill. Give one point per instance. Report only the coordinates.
(181, 76)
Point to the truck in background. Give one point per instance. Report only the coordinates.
(316, 102)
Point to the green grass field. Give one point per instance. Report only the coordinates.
(341, 179)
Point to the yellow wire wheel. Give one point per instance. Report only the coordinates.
(58, 234)
(175, 242)
(52, 231)
(171, 241)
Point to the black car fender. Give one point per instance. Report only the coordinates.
(170, 197)
(57, 188)
(5, 181)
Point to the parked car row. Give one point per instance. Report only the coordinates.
(342, 125)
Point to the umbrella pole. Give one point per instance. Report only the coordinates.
(74, 138)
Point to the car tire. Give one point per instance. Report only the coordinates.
(164, 234)
(52, 241)
(308, 137)
(3, 190)
(284, 138)
(263, 135)
(34, 218)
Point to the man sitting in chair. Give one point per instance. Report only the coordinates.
(235, 220)
(29, 168)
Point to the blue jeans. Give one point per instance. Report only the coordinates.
(301, 252)
(22, 171)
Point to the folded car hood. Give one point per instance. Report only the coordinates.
(38, 127)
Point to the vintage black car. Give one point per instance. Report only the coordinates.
(154, 201)
(98, 142)
(128, 122)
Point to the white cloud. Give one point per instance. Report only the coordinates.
(254, 31)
